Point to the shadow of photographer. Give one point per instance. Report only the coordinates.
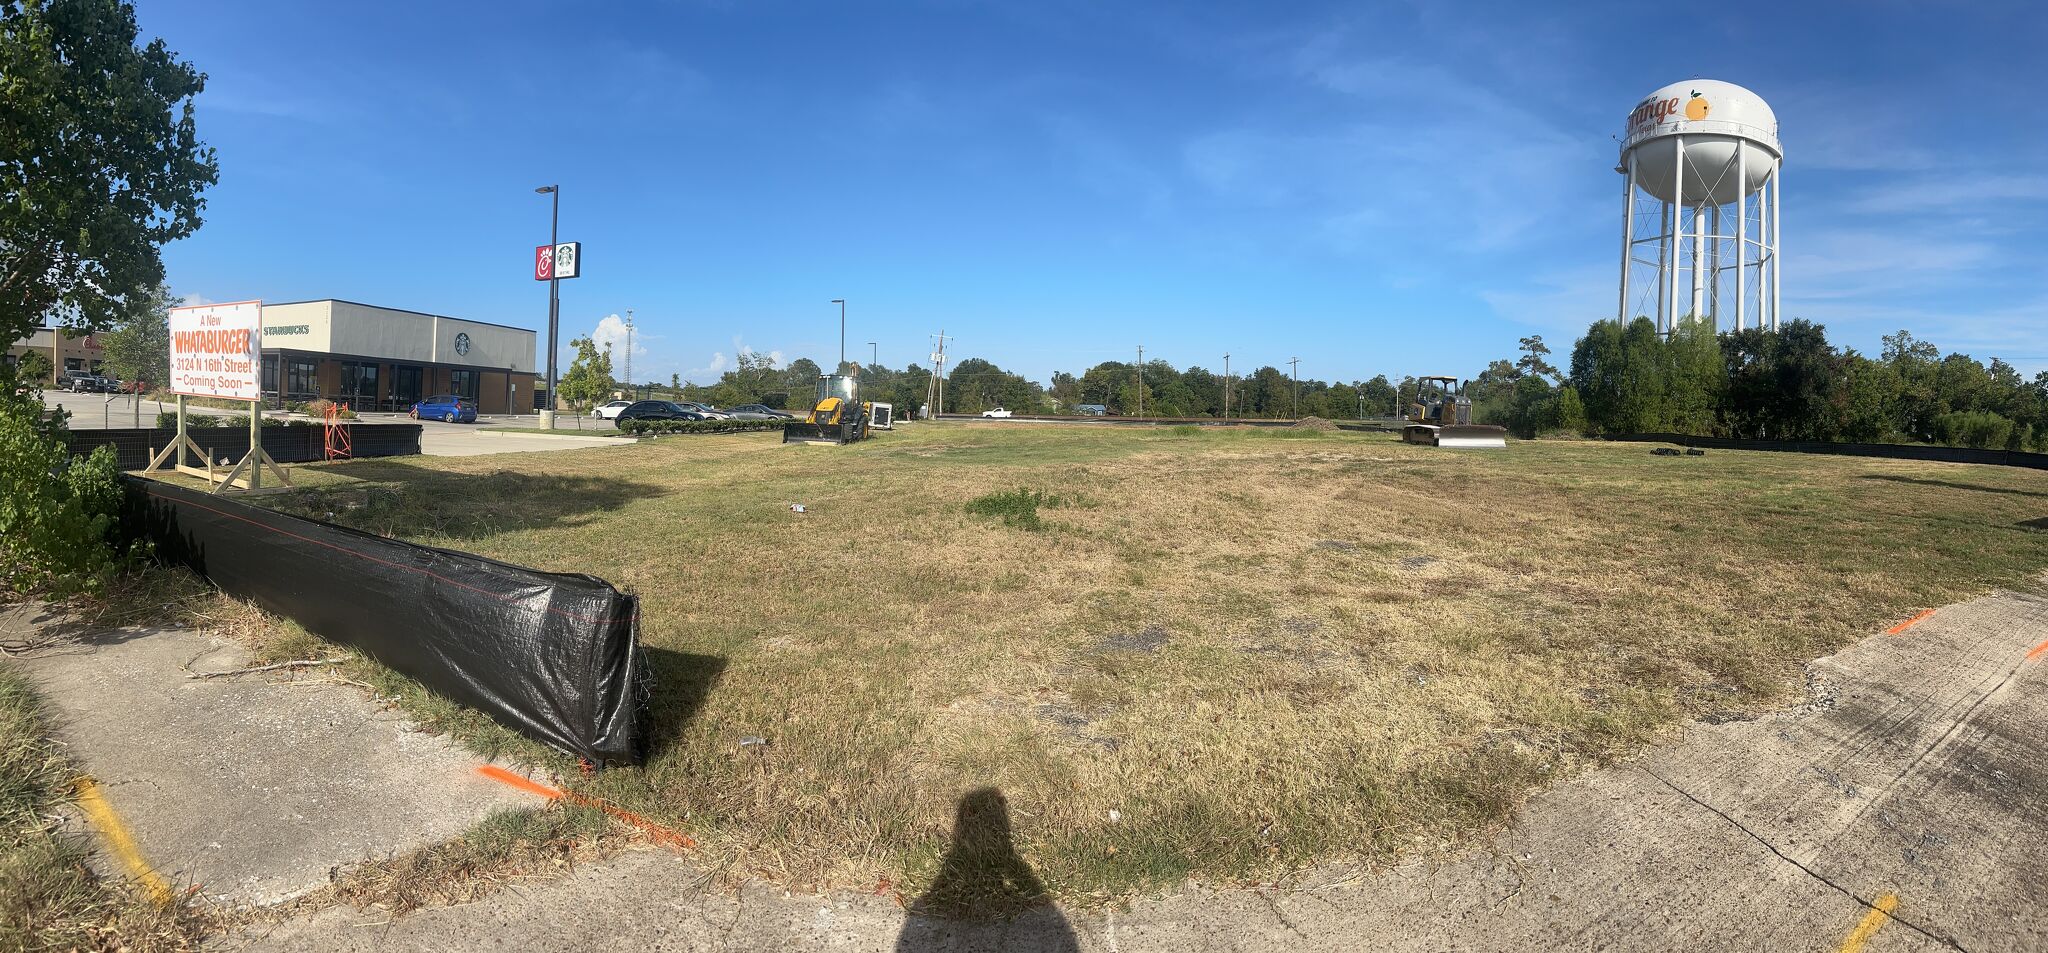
(984, 892)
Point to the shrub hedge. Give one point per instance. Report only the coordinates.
(654, 427)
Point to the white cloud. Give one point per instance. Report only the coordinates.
(611, 331)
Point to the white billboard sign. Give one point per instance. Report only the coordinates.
(216, 350)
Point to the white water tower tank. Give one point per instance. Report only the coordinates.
(1700, 150)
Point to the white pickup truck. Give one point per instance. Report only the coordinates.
(998, 412)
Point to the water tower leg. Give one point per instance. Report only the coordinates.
(1663, 256)
(1714, 268)
(1741, 229)
(1777, 229)
(1628, 235)
(1699, 260)
(1671, 230)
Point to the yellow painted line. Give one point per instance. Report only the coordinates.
(1880, 912)
(117, 837)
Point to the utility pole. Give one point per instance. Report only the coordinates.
(871, 357)
(1226, 386)
(935, 392)
(1141, 380)
(630, 386)
(1295, 407)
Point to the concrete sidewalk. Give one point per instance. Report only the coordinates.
(254, 787)
(1912, 781)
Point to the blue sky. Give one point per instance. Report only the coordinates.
(1374, 188)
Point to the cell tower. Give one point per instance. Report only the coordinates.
(1705, 156)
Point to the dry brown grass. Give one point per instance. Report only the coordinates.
(1260, 650)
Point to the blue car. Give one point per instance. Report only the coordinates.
(446, 407)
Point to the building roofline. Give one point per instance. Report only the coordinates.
(425, 314)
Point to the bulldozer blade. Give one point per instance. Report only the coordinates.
(811, 433)
(1473, 437)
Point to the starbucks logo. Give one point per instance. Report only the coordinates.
(462, 344)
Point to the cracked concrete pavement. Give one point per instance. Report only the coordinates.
(1913, 779)
(251, 787)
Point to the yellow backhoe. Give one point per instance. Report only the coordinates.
(838, 416)
(1442, 417)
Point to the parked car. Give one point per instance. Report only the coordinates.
(445, 407)
(657, 410)
(998, 412)
(87, 382)
(759, 412)
(610, 411)
(707, 411)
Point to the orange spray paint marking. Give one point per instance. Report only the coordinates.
(661, 834)
(2037, 651)
(1909, 623)
(1880, 913)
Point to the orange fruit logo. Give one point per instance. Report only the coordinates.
(1696, 107)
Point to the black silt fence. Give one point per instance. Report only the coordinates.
(290, 444)
(1895, 451)
(553, 656)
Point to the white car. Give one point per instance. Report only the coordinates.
(611, 410)
(998, 412)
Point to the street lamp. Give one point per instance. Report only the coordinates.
(841, 302)
(547, 411)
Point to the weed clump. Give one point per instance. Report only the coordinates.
(1019, 508)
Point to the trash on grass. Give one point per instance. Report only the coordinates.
(753, 740)
(797, 508)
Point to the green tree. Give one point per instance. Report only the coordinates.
(589, 378)
(138, 349)
(33, 369)
(99, 161)
(1571, 412)
(1535, 359)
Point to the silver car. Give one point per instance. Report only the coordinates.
(709, 412)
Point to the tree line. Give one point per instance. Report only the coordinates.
(1789, 384)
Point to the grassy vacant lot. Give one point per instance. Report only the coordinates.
(1224, 654)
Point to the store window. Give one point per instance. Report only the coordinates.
(463, 383)
(302, 380)
(270, 373)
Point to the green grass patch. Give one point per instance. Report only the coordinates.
(1019, 508)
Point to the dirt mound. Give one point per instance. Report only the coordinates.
(1314, 423)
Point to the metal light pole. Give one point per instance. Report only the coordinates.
(547, 411)
(841, 302)
(1226, 385)
(871, 355)
(631, 388)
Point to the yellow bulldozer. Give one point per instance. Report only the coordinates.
(1442, 417)
(838, 416)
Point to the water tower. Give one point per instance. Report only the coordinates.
(1700, 164)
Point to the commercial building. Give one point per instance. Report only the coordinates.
(386, 359)
(81, 353)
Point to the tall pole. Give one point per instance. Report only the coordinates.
(871, 357)
(1141, 380)
(630, 386)
(1226, 386)
(1699, 258)
(1294, 406)
(547, 411)
(841, 302)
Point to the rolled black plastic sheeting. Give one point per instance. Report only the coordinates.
(553, 656)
